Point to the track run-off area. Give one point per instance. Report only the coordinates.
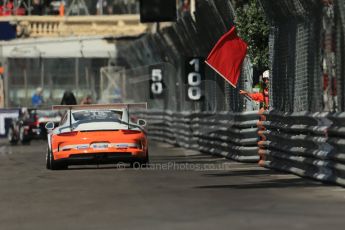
(182, 189)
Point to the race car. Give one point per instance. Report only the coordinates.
(31, 125)
(97, 134)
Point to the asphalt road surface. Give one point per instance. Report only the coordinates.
(182, 190)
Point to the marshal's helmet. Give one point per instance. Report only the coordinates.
(266, 74)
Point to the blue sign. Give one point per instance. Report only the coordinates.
(7, 31)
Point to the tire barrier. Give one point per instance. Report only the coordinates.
(231, 135)
(306, 144)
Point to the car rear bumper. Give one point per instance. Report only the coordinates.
(100, 157)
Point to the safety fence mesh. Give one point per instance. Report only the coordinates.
(190, 38)
(340, 51)
(306, 54)
(306, 47)
(294, 44)
(54, 75)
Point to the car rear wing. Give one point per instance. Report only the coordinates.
(129, 106)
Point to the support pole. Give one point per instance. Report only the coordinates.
(42, 72)
(6, 83)
(26, 87)
(77, 77)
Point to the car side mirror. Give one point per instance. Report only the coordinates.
(49, 126)
(141, 122)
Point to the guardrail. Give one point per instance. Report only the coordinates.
(306, 144)
(231, 135)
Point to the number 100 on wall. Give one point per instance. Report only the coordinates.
(194, 76)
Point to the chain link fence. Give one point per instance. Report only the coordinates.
(340, 51)
(54, 76)
(306, 53)
(306, 47)
(190, 38)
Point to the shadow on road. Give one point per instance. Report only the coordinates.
(178, 157)
(252, 172)
(278, 183)
(95, 167)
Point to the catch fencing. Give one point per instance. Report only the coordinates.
(54, 75)
(295, 51)
(189, 38)
(303, 134)
(306, 54)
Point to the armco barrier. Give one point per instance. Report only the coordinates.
(232, 135)
(309, 145)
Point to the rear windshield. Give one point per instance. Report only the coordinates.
(97, 115)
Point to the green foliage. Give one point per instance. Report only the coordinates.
(253, 28)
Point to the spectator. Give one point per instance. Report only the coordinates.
(109, 10)
(37, 98)
(6, 8)
(68, 98)
(62, 9)
(37, 7)
(101, 6)
(87, 100)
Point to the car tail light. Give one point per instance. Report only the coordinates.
(74, 133)
(139, 144)
(131, 131)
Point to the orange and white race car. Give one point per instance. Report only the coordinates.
(97, 134)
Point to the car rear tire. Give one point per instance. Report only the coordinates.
(52, 164)
(143, 163)
(48, 166)
(146, 162)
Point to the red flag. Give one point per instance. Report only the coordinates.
(227, 56)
